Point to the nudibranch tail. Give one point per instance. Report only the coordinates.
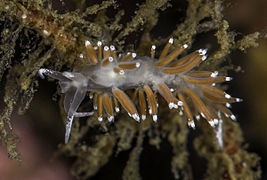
(107, 77)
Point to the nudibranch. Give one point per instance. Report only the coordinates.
(106, 76)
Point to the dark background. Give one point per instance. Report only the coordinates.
(38, 142)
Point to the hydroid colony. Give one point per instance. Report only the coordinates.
(107, 76)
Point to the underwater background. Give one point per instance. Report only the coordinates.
(125, 150)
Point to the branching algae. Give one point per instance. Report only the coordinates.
(34, 35)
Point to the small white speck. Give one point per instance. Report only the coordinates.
(180, 103)
(110, 59)
(181, 113)
(106, 48)
(233, 117)
(81, 55)
(214, 74)
(95, 48)
(155, 118)
(198, 117)
(204, 58)
(110, 118)
(238, 99)
(112, 48)
(137, 64)
(45, 32)
(95, 107)
(172, 90)
(213, 84)
(175, 106)
(212, 123)
(204, 51)
(171, 105)
(216, 121)
(99, 43)
(150, 111)
(136, 117)
(117, 109)
(171, 40)
(24, 16)
(185, 46)
(91, 96)
(191, 124)
(100, 118)
(228, 78)
(228, 96)
(143, 117)
(133, 55)
(121, 72)
(87, 43)
(228, 105)
(153, 47)
(202, 114)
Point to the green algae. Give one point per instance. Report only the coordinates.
(58, 40)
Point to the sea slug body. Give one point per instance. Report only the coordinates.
(107, 76)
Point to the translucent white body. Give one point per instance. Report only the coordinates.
(104, 78)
